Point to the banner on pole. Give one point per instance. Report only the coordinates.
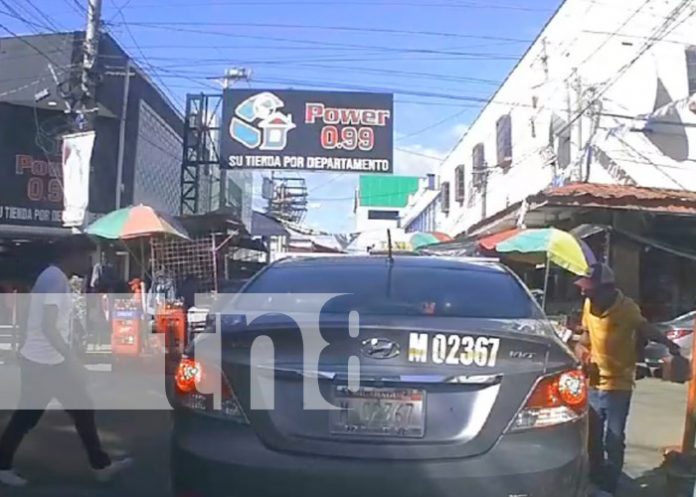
(77, 157)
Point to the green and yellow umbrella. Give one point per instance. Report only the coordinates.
(549, 245)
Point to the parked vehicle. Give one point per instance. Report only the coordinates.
(681, 331)
(464, 388)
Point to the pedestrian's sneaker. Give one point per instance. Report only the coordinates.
(10, 478)
(112, 470)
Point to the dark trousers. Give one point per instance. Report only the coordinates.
(607, 442)
(40, 385)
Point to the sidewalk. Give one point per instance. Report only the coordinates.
(656, 421)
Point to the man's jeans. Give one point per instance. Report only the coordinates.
(607, 443)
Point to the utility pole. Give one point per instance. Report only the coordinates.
(231, 76)
(88, 108)
(579, 109)
(128, 74)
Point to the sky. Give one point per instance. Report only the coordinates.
(442, 59)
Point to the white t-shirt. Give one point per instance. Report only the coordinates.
(51, 288)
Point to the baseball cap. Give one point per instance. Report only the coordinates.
(599, 274)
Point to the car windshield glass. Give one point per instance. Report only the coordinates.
(405, 290)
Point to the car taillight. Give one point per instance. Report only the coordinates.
(555, 400)
(677, 333)
(190, 375)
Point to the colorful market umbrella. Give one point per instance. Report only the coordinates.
(549, 245)
(136, 222)
(422, 239)
(490, 242)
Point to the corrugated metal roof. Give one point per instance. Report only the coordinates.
(266, 225)
(622, 197)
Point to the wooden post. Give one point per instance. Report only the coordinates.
(690, 423)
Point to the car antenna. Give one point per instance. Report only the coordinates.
(390, 256)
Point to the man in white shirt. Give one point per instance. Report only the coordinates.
(50, 369)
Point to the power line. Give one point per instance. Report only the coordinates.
(76, 6)
(366, 70)
(281, 47)
(43, 16)
(190, 76)
(660, 32)
(148, 25)
(415, 89)
(640, 37)
(352, 3)
(615, 32)
(419, 154)
(434, 125)
(119, 11)
(363, 59)
(354, 29)
(144, 58)
(16, 15)
(28, 43)
(582, 111)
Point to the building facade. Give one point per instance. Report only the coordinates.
(424, 210)
(604, 95)
(138, 145)
(381, 200)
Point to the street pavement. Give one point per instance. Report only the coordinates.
(53, 460)
(656, 421)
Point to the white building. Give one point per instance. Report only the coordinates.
(381, 200)
(602, 96)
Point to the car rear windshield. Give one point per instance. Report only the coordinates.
(405, 290)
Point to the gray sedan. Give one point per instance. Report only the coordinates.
(464, 389)
(681, 331)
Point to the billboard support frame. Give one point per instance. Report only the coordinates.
(200, 146)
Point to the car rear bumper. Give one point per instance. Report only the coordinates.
(214, 459)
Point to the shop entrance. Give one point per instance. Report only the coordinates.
(21, 261)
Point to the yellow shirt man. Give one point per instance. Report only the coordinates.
(612, 336)
(612, 322)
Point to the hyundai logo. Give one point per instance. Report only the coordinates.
(380, 348)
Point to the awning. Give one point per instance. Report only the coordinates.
(32, 232)
(457, 248)
(587, 230)
(679, 252)
(224, 220)
(251, 244)
(264, 225)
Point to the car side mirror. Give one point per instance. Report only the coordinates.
(538, 296)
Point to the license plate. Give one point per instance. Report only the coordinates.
(379, 412)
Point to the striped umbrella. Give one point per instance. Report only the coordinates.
(422, 239)
(136, 222)
(549, 244)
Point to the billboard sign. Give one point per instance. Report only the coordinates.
(31, 179)
(307, 130)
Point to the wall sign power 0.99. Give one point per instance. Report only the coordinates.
(347, 138)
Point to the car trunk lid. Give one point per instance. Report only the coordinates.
(430, 388)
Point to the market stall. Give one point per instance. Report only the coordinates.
(133, 316)
(204, 263)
